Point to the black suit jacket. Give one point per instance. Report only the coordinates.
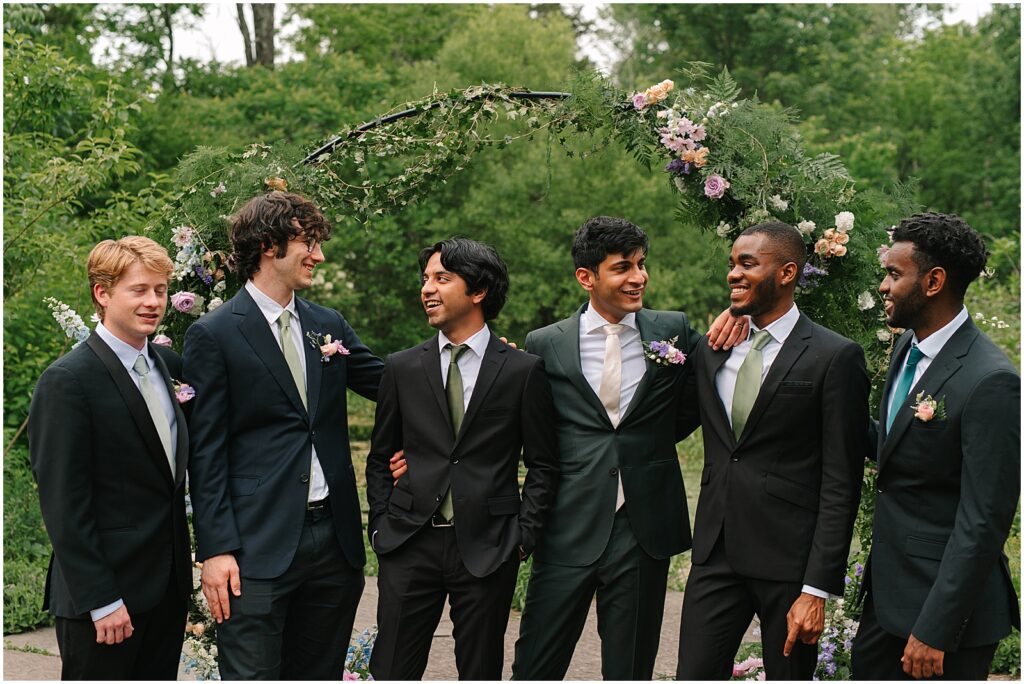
(252, 437)
(786, 493)
(114, 511)
(947, 492)
(510, 413)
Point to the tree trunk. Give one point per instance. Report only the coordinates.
(243, 26)
(263, 27)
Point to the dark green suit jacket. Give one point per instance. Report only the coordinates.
(946, 496)
(591, 452)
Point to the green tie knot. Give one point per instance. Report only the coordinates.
(285, 320)
(761, 339)
(456, 350)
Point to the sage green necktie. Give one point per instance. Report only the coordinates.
(748, 382)
(291, 354)
(899, 395)
(457, 408)
(156, 408)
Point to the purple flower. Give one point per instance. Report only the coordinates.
(204, 275)
(858, 570)
(184, 393)
(640, 101)
(830, 668)
(162, 340)
(677, 166)
(715, 186)
(810, 273)
(183, 301)
(847, 580)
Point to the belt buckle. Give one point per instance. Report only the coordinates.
(437, 521)
(316, 505)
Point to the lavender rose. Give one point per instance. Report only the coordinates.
(715, 187)
(183, 301)
(162, 340)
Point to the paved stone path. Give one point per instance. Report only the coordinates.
(33, 656)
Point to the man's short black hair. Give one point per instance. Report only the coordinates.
(603, 235)
(478, 264)
(944, 240)
(785, 239)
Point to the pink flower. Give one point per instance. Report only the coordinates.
(162, 340)
(715, 186)
(883, 254)
(925, 412)
(184, 393)
(183, 301)
(640, 101)
(329, 349)
(350, 677)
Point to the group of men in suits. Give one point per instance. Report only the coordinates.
(594, 412)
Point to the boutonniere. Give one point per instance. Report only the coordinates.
(183, 391)
(928, 408)
(663, 352)
(326, 346)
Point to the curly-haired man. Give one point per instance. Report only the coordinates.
(939, 595)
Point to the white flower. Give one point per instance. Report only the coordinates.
(779, 203)
(214, 303)
(723, 229)
(844, 221)
(883, 335)
(220, 286)
(680, 185)
(865, 301)
(806, 227)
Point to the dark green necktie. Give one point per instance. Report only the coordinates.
(457, 408)
(748, 382)
(899, 395)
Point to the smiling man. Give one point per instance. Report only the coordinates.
(109, 448)
(783, 416)
(464, 406)
(277, 517)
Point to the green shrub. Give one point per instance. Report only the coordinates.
(26, 546)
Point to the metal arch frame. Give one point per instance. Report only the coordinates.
(332, 144)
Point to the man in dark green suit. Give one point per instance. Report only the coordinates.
(939, 594)
(620, 512)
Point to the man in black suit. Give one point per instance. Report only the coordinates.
(783, 418)
(464, 406)
(109, 448)
(939, 593)
(276, 513)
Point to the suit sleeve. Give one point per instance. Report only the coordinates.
(989, 490)
(60, 439)
(844, 414)
(385, 440)
(213, 517)
(363, 368)
(688, 413)
(540, 454)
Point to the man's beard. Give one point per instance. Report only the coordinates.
(906, 311)
(761, 300)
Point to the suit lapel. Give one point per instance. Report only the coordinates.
(898, 353)
(257, 333)
(314, 362)
(430, 360)
(567, 349)
(792, 349)
(712, 362)
(490, 365)
(133, 399)
(645, 322)
(945, 365)
(181, 446)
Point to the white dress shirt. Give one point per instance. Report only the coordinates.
(271, 310)
(127, 354)
(929, 348)
(592, 343)
(725, 381)
(468, 362)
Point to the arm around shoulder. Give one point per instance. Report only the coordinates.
(540, 454)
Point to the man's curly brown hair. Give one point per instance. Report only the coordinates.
(270, 221)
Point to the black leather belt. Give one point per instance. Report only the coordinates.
(437, 520)
(318, 505)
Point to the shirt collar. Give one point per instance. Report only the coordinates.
(125, 352)
(592, 320)
(781, 327)
(270, 309)
(477, 341)
(934, 343)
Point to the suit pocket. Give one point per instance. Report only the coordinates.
(790, 491)
(925, 548)
(503, 505)
(400, 499)
(705, 475)
(795, 387)
(243, 486)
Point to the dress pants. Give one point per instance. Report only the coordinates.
(630, 589)
(877, 654)
(298, 625)
(414, 580)
(152, 652)
(718, 605)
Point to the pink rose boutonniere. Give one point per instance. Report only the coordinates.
(326, 346)
(162, 340)
(664, 352)
(183, 392)
(927, 408)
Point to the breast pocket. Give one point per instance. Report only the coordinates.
(796, 387)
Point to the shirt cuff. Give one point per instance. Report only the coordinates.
(100, 613)
(813, 591)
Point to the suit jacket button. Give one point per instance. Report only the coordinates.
(304, 478)
(455, 461)
(735, 459)
(613, 472)
(878, 490)
(438, 499)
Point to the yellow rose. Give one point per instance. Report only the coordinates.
(830, 233)
(821, 246)
(842, 238)
(839, 250)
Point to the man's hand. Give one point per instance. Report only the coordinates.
(727, 331)
(398, 465)
(511, 344)
(220, 572)
(805, 621)
(921, 660)
(114, 628)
